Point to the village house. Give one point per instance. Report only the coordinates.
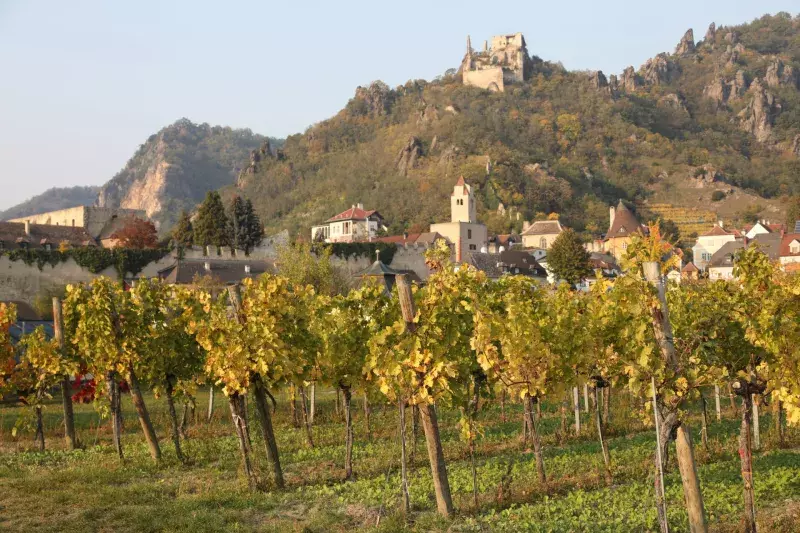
(353, 225)
(711, 242)
(790, 252)
(508, 262)
(622, 226)
(763, 227)
(463, 231)
(541, 234)
(723, 261)
(213, 273)
(498, 243)
(690, 271)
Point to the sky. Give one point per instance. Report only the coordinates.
(84, 83)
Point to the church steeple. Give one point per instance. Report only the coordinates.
(469, 46)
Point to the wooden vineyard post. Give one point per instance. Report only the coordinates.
(210, 403)
(586, 397)
(717, 405)
(756, 423)
(401, 407)
(577, 407)
(662, 330)
(430, 423)
(66, 388)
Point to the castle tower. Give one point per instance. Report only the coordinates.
(462, 203)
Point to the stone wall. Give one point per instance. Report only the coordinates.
(19, 281)
(405, 258)
(485, 78)
(93, 219)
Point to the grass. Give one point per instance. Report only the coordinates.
(91, 490)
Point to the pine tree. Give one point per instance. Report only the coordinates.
(211, 225)
(568, 259)
(183, 233)
(244, 227)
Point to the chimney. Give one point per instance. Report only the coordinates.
(526, 225)
(207, 266)
(405, 235)
(360, 205)
(720, 223)
(207, 250)
(247, 269)
(28, 228)
(611, 212)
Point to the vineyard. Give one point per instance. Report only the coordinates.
(461, 405)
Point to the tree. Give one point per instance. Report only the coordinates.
(211, 225)
(793, 212)
(244, 227)
(568, 259)
(137, 234)
(183, 233)
(304, 265)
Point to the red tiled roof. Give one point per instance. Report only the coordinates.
(690, 267)
(354, 213)
(461, 183)
(786, 241)
(770, 227)
(718, 231)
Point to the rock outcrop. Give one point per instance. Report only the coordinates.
(376, 99)
(759, 115)
(599, 80)
(722, 91)
(796, 145)
(630, 80)
(780, 74)
(686, 44)
(707, 175)
(408, 156)
(711, 34)
(673, 102)
(659, 70)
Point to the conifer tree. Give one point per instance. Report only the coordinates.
(211, 225)
(183, 234)
(244, 227)
(568, 259)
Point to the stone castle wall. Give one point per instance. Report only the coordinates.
(91, 218)
(485, 78)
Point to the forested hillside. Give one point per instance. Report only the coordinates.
(715, 124)
(52, 200)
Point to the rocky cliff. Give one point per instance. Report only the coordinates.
(175, 168)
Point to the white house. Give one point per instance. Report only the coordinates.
(710, 242)
(790, 252)
(720, 265)
(355, 224)
(541, 234)
(762, 227)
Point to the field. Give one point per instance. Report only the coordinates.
(91, 490)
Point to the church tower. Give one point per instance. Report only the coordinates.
(462, 203)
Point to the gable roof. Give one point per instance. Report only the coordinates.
(625, 223)
(544, 227)
(724, 256)
(13, 235)
(769, 243)
(690, 267)
(354, 213)
(512, 262)
(463, 184)
(771, 228)
(786, 242)
(184, 271)
(719, 231)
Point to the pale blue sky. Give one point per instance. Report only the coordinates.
(84, 83)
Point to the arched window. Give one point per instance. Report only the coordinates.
(543, 243)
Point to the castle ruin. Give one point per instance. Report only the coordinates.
(505, 62)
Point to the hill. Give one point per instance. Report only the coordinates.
(52, 200)
(175, 168)
(721, 114)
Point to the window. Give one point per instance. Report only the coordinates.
(346, 227)
(48, 247)
(624, 245)
(543, 243)
(469, 234)
(795, 247)
(473, 247)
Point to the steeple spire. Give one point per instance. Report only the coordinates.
(469, 46)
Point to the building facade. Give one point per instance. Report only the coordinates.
(95, 220)
(623, 225)
(506, 62)
(541, 234)
(354, 225)
(710, 242)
